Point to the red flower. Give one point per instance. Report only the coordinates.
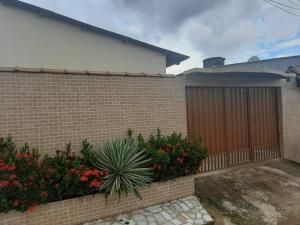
(70, 155)
(87, 173)
(156, 166)
(16, 203)
(31, 209)
(81, 166)
(186, 171)
(106, 173)
(95, 183)
(84, 179)
(96, 173)
(13, 176)
(23, 156)
(72, 170)
(44, 194)
(16, 183)
(19, 156)
(29, 184)
(5, 167)
(179, 160)
(4, 184)
(11, 168)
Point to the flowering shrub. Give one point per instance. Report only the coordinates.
(172, 156)
(26, 180)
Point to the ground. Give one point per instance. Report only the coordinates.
(258, 194)
(187, 211)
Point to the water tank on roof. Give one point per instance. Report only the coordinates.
(213, 62)
(253, 59)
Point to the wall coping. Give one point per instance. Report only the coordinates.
(80, 72)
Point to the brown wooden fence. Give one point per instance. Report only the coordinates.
(238, 125)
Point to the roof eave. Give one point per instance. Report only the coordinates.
(222, 71)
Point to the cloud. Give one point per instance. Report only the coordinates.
(233, 29)
(288, 44)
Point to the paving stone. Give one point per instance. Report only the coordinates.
(185, 215)
(194, 210)
(138, 217)
(190, 221)
(131, 222)
(166, 215)
(170, 211)
(122, 217)
(184, 207)
(152, 207)
(141, 222)
(199, 215)
(192, 215)
(159, 218)
(186, 211)
(178, 208)
(199, 221)
(203, 211)
(168, 223)
(207, 218)
(189, 204)
(150, 219)
(176, 222)
(156, 210)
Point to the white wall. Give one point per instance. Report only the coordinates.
(29, 40)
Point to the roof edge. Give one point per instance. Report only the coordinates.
(223, 70)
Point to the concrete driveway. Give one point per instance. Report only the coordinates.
(259, 194)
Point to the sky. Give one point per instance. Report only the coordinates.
(233, 29)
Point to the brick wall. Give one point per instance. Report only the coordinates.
(47, 110)
(80, 210)
(291, 121)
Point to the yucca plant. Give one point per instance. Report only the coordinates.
(125, 166)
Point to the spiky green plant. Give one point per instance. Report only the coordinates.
(125, 165)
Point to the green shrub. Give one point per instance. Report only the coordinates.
(21, 182)
(71, 175)
(172, 156)
(27, 180)
(125, 164)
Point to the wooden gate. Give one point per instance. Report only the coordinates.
(238, 125)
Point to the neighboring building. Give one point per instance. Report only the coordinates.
(250, 110)
(281, 64)
(32, 37)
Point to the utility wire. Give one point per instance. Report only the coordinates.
(294, 3)
(283, 9)
(284, 5)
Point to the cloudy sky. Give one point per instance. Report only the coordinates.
(234, 29)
